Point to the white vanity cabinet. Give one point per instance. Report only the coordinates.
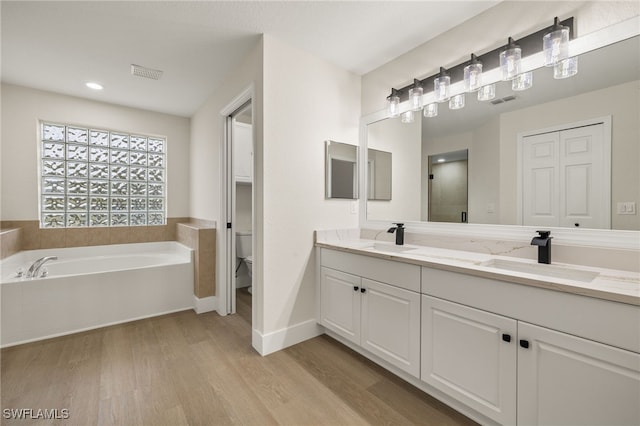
(341, 303)
(567, 380)
(470, 355)
(497, 351)
(382, 317)
(497, 362)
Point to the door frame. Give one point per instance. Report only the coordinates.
(226, 303)
(605, 121)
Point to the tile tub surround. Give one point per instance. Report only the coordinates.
(200, 236)
(32, 237)
(611, 284)
(9, 241)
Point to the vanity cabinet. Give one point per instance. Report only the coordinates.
(495, 350)
(484, 360)
(381, 317)
(567, 380)
(341, 303)
(470, 355)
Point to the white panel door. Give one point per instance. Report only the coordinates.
(566, 178)
(583, 179)
(566, 380)
(340, 305)
(391, 324)
(470, 355)
(540, 180)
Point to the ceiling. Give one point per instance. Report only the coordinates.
(59, 46)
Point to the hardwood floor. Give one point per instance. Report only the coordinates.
(188, 369)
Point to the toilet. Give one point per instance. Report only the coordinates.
(243, 251)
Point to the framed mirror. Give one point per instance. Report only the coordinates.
(607, 85)
(341, 170)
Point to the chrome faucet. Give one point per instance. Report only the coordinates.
(543, 241)
(34, 269)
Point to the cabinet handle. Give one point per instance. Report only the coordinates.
(524, 344)
(506, 337)
(363, 290)
(356, 288)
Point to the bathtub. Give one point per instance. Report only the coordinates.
(92, 287)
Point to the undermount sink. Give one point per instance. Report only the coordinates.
(389, 247)
(542, 269)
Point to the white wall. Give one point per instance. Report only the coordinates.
(207, 126)
(404, 143)
(299, 102)
(306, 101)
(484, 33)
(22, 107)
(484, 175)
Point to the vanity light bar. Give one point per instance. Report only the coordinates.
(530, 45)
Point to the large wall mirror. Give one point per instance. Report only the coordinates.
(502, 188)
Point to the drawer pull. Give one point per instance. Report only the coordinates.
(363, 290)
(356, 288)
(524, 344)
(506, 337)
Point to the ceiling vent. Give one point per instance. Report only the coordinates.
(502, 100)
(141, 71)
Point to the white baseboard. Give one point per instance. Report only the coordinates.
(280, 339)
(206, 304)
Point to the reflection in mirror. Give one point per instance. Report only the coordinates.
(448, 187)
(378, 175)
(341, 170)
(490, 131)
(403, 142)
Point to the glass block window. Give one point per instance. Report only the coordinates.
(93, 177)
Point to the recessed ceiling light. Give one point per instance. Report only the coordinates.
(94, 86)
(441, 160)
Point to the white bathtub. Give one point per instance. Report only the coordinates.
(91, 287)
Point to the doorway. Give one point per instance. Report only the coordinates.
(242, 220)
(448, 187)
(564, 175)
(237, 207)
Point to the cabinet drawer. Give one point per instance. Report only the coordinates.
(611, 323)
(399, 274)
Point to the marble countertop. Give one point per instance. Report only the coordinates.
(607, 284)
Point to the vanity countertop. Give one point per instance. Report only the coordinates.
(607, 284)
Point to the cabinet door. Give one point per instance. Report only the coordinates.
(566, 380)
(340, 304)
(391, 324)
(470, 355)
(243, 152)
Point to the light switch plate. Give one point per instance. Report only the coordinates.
(628, 207)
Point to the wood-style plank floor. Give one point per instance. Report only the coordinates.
(188, 369)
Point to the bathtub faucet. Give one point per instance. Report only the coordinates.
(34, 269)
